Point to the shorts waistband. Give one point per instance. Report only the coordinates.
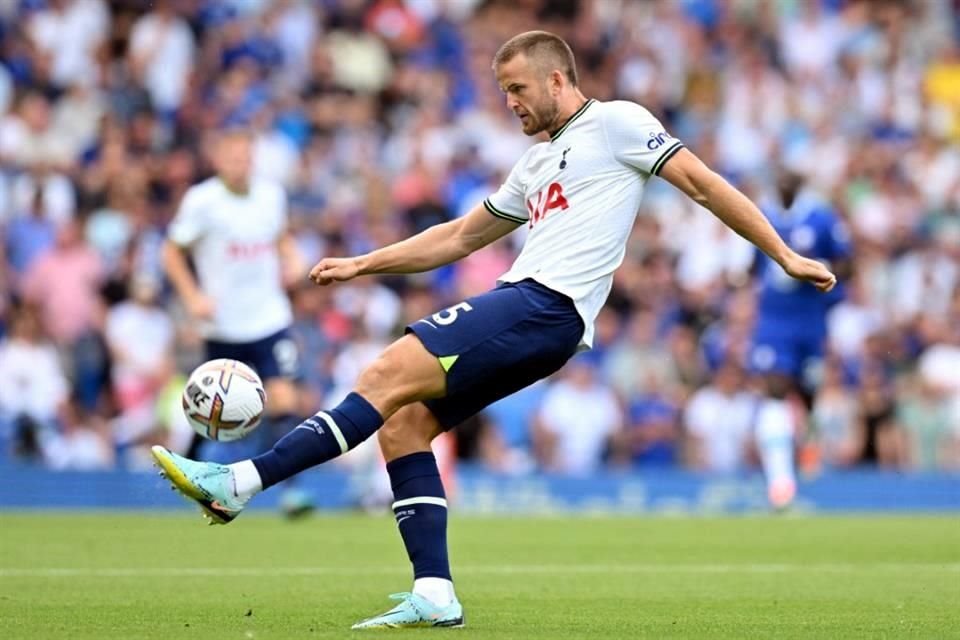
(541, 292)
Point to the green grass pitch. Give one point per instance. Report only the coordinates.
(167, 576)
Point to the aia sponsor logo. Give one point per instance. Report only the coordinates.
(548, 200)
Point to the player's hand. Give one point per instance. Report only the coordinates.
(331, 270)
(200, 307)
(811, 271)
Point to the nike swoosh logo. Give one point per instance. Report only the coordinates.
(215, 504)
(403, 518)
(383, 617)
(427, 322)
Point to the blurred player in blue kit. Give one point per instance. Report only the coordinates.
(578, 192)
(791, 327)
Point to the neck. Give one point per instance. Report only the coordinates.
(567, 108)
(239, 188)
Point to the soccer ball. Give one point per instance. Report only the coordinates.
(224, 400)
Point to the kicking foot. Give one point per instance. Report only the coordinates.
(415, 611)
(209, 485)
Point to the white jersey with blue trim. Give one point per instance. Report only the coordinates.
(233, 239)
(579, 194)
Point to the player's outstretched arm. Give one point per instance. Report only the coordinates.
(686, 172)
(437, 246)
(292, 264)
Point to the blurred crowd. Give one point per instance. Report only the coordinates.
(382, 117)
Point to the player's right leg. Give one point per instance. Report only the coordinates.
(405, 372)
(490, 346)
(420, 508)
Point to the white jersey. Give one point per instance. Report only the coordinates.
(233, 238)
(579, 194)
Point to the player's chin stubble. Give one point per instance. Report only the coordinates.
(542, 119)
(547, 118)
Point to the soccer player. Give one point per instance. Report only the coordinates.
(234, 228)
(578, 192)
(791, 327)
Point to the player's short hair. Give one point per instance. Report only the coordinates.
(234, 133)
(547, 50)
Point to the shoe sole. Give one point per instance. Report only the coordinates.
(181, 483)
(457, 623)
(410, 626)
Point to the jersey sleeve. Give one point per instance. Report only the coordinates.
(189, 224)
(636, 138)
(508, 202)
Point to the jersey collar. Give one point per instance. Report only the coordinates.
(571, 119)
(236, 194)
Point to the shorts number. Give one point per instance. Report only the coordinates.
(449, 315)
(287, 357)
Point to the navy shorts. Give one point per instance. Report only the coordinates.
(497, 343)
(791, 351)
(275, 356)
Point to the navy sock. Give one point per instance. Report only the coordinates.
(420, 507)
(273, 430)
(318, 439)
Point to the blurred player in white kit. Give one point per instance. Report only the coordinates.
(234, 227)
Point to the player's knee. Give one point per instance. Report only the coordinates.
(403, 374)
(379, 383)
(374, 377)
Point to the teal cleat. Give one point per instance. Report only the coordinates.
(415, 611)
(208, 484)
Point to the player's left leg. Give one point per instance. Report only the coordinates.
(405, 372)
(420, 508)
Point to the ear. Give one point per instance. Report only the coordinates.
(556, 81)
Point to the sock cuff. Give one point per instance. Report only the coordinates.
(356, 419)
(418, 470)
(356, 405)
(413, 465)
